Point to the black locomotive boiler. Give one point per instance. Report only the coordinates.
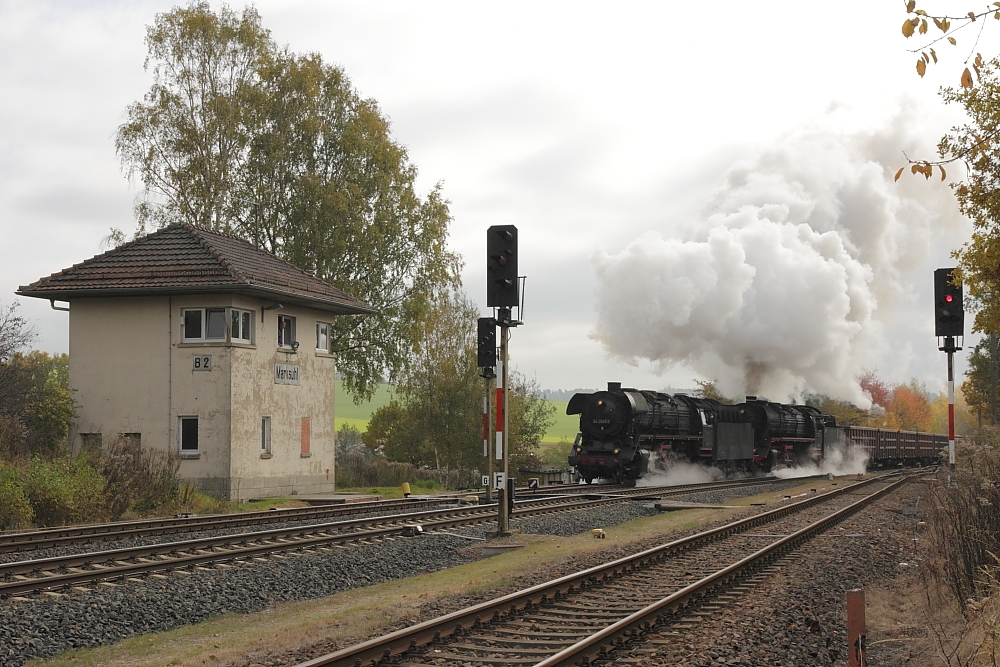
(626, 432)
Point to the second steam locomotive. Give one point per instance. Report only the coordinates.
(626, 432)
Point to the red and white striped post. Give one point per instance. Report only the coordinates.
(950, 349)
(500, 408)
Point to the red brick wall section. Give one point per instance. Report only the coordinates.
(305, 436)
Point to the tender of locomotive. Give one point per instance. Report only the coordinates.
(626, 432)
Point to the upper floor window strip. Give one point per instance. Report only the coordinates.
(216, 324)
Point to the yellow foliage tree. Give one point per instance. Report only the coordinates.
(965, 420)
(909, 408)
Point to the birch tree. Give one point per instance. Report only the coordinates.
(239, 135)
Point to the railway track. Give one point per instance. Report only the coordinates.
(70, 535)
(619, 489)
(58, 572)
(80, 535)
(618, 611)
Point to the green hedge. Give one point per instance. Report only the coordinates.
(354, 470)
(65, 491)
(15, 509)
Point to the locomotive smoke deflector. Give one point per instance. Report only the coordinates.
(636, 402)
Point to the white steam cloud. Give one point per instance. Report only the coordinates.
(680, 473)
(775, 290)
(845, 461)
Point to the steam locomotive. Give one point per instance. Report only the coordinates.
(624, 433)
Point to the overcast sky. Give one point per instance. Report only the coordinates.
(587, 125)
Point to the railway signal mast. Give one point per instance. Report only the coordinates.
(504, 292)
(949, 324)
(486, 359)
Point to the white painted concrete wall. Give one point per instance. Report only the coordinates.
(133, 374)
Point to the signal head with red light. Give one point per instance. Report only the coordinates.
(949, 315)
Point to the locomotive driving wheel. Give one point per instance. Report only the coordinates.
(667, 460)
(768, 463)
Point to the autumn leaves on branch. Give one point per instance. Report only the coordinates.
(917, 24)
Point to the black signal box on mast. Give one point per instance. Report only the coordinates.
(501, 266)
(486, 343)
(949, 314)
(949, 324)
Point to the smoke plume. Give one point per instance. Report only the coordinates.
(776, 290)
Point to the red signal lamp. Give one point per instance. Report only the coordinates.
(949, 298)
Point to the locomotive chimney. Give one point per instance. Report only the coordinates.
(614, 386)
(751, 398)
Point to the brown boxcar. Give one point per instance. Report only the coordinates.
(886, 447)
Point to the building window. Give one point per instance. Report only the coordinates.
(324, 334)
(193, 324)
(216, 329)
(265, 435)
(203, 324)
(189, 435)
(242, 325)
(286, 331)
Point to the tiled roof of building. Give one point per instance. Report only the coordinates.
(182, 259)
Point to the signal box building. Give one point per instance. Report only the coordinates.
(204, 346)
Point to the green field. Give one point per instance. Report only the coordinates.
(357, 415)
(566, 426)
(564, 430)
